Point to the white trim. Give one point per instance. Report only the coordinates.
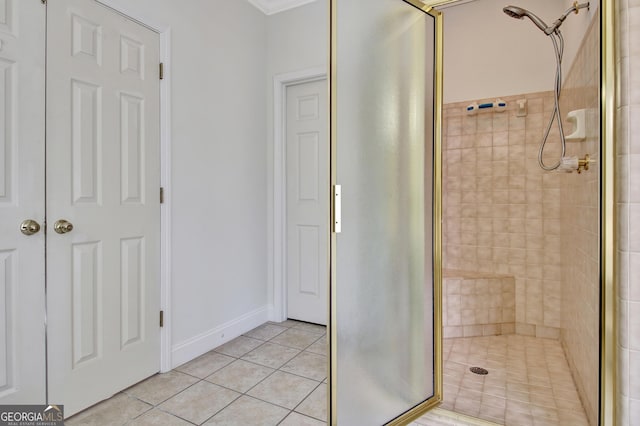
(122, 7)
(271, 7)
(278, 311)
(446, 4)
(165, 208)
(211, 339)
(164, 31)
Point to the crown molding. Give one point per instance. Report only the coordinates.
(270, 7)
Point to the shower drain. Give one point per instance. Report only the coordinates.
(479, 370)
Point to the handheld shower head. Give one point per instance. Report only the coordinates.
(520, 13)
(514, 11)
(555, 35)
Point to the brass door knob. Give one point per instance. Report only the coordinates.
(62, 226)
(29, 227)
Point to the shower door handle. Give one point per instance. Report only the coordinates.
(337, 209)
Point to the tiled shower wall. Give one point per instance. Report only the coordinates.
(504, 215)
(579, 196)
(628, 205)
(501, 211)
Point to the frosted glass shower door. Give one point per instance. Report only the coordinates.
(384, 327)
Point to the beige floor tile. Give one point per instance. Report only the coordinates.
(199, 402)
(283, 389)
(156, 417)
(518, 406)
(266, 331)
(315, 405)
(546, 413)
(569, 404)
(295, 419)
(286, 323)
(309, 365)
(313, 328)
(492, 413)
(114, 411)
(495, 390)
(205, 365)
(569, 418)
(522, 377)
(319, 347)
(240, 375)
(271, 355)
(161, 387)
(239, 346)
(543, 400)
(447, 404)
(439, 417)
(514, 418)
(467, 406)
(246, 411)
(543, 422)
(295, 338)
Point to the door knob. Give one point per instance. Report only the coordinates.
(62, 226)
(29, 227)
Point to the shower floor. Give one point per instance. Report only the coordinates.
(529, 382)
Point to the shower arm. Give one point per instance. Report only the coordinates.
(573, 9)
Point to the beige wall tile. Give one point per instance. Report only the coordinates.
(506, 216)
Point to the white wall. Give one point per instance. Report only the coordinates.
(218, 183)
(488, 54)
(296, 40)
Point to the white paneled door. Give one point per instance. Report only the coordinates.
(22, 118)
(307, 201)
(103, 182)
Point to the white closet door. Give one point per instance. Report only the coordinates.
(22, 319)
(307, 202)
(103, 162)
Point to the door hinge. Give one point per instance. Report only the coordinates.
(43, 1)
(337, 208)
(161, 71)
(161, 318)
(161, 195)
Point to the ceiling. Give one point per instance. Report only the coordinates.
(270, 7)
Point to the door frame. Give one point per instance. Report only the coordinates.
(164, 31)
(278, 311)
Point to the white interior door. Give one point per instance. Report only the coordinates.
(103, 162)
(22, 321)
(307, 201)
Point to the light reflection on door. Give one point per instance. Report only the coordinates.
(384, 360)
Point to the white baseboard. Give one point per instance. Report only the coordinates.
(275, 316)
(204, 342)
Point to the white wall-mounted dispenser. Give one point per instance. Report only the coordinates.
(522, 108)
(474, 108)
(578, 119)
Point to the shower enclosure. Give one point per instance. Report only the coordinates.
(527, 296)
(527, 289)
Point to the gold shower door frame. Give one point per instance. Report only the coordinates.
(436, 398)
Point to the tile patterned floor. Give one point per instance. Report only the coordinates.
(529, 382)
(276, 375)
(273, 375)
